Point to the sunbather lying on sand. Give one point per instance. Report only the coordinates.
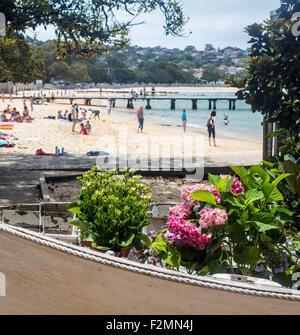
(3, 117)
(17, 118)
(59, 116)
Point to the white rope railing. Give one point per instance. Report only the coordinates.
(124, 264)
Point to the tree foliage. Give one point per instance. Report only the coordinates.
(273, 84)
(19, 62)
(212, 73)
(85, 27)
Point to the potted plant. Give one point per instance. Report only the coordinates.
(111, 210)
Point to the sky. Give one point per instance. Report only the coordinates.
(218, 22)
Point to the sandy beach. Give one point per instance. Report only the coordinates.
(117, 133)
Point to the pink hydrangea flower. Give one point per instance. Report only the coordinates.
(188, 232)
(236, 186)
(181, 211)
(212, 216)
(187, 190)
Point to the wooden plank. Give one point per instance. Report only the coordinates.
(45, 190)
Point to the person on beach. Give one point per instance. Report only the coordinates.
(13, 113)
(3, 97)
(74, 120)
(88, 126)
(96, 114)
(226, 121)
(17, 118)
(83, 114)
(77, 111)
(83, 129)
(109, 103)
(31, 103)
(211, 122)
(183, 118)
(3, 117)
(140, 117)
(26, 115)
(7, 110)
(59, 116)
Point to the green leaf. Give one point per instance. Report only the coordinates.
(173, 257)
(271, 192)
(264, 217)
(75, 222)
(146, 239)
(160, 244)
(240, 171)
(257, 169)
(277, 236)
(275, 195)
(282, 210)
(204, 196)
(213, 179)
(222, 182)
(283, 279)
(228, 185)
(217, 267)
(276, 133)
(73, 207)
(253, 195)
(127, 243)
(280, 178)
(236, 233)
(263, 227)
(233, 201)
(99, 247)
(269, 164)
(291, 167)
(246, 255)
(214, 245)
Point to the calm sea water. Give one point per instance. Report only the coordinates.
(243, 123)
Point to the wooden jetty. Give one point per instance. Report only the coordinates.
(87, 100)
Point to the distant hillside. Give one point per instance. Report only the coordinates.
(145, 65)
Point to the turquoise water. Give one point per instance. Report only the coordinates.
(243, 123)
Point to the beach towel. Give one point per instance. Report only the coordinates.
(7, 126)
(5, 144)
(40, 152)
(2, 142)
(97, 153)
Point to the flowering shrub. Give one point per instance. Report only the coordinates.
(233, 225)
(111, 209)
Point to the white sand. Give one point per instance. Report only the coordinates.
(47, 134)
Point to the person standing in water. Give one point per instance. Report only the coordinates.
(183, 118)
(226, 121)
(140, 117)
(211, 127)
